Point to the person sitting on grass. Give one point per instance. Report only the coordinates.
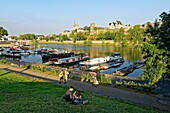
(78, 98)
(69, 95)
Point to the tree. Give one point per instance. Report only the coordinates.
(164, 36)
(155, 66)
(119, 35)
(157, 50)
(3, 32)
(47, 38)
(136, 33)
(80, 36)
(14, 37)
(60, 38)
(65, 37)
(87, 28)
(27, 37)
(53, 37)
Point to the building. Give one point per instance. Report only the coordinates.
(145, 25)
(127, 27)
(81, 30)
(115, 25)
(92, 31)
(40, 37)
(66, 32)
(76, 26)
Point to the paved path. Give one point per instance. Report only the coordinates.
(134, 97)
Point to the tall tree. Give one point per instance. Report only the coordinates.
(157, 50)
(3, 32)
(136, 33)
(119, 35)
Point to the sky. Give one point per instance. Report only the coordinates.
(43, 17)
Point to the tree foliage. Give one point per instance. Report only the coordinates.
(3, 32)
(155, 66)
(136, 33)
(27, 37)
(157, 50)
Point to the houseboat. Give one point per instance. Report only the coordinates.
(68, 60)
(114, 63)
(102, 60)
(11, 53)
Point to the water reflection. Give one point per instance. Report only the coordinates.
(129, 54)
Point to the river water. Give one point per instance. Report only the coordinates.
(129, 54)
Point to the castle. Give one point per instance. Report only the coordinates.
(95, 30)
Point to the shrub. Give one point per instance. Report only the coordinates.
(105, 80)
(40, 68)
(86, 78)
(4, 62)
(88, 42)
(56, 71)
(103, 42)
(124, 43)
(119, 83)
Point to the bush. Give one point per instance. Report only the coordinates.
(40, 68)
(124, 43)
(105, 80)
(26, 66)
(141, 87)
(4, 62)
(88, 42)
(86, 78)
(119, 83)
(56, 71)
(108, 43)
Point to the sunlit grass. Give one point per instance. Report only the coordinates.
(24, 94)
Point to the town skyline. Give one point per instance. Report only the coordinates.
(43, 17)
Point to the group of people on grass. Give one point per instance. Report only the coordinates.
(64, 75)
(74, 98)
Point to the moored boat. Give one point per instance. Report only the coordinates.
(114, 63)
(72, 59)
(102, 60)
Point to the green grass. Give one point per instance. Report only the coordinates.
(20, 94)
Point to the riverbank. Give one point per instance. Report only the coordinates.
(5, 45)
(134, 97)
(93, 43)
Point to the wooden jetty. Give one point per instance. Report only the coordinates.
(126, 70)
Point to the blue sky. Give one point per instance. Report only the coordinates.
(54, 16)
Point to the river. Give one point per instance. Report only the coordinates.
(129, 54)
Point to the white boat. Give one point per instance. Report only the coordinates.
(24, 52)
(96, 68)
(96, 61)
(11, 53)
(108, 65)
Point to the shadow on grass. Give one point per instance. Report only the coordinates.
(30, 75)
(4, 73)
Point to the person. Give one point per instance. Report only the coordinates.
(78, 98)
(66, 73)
(61, 75)
(95, 83)
(69, 94)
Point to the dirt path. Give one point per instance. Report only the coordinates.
(156, 101)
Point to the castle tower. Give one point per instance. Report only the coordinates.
(76, 26)
(92, 25)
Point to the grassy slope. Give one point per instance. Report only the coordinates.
(23, 94)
